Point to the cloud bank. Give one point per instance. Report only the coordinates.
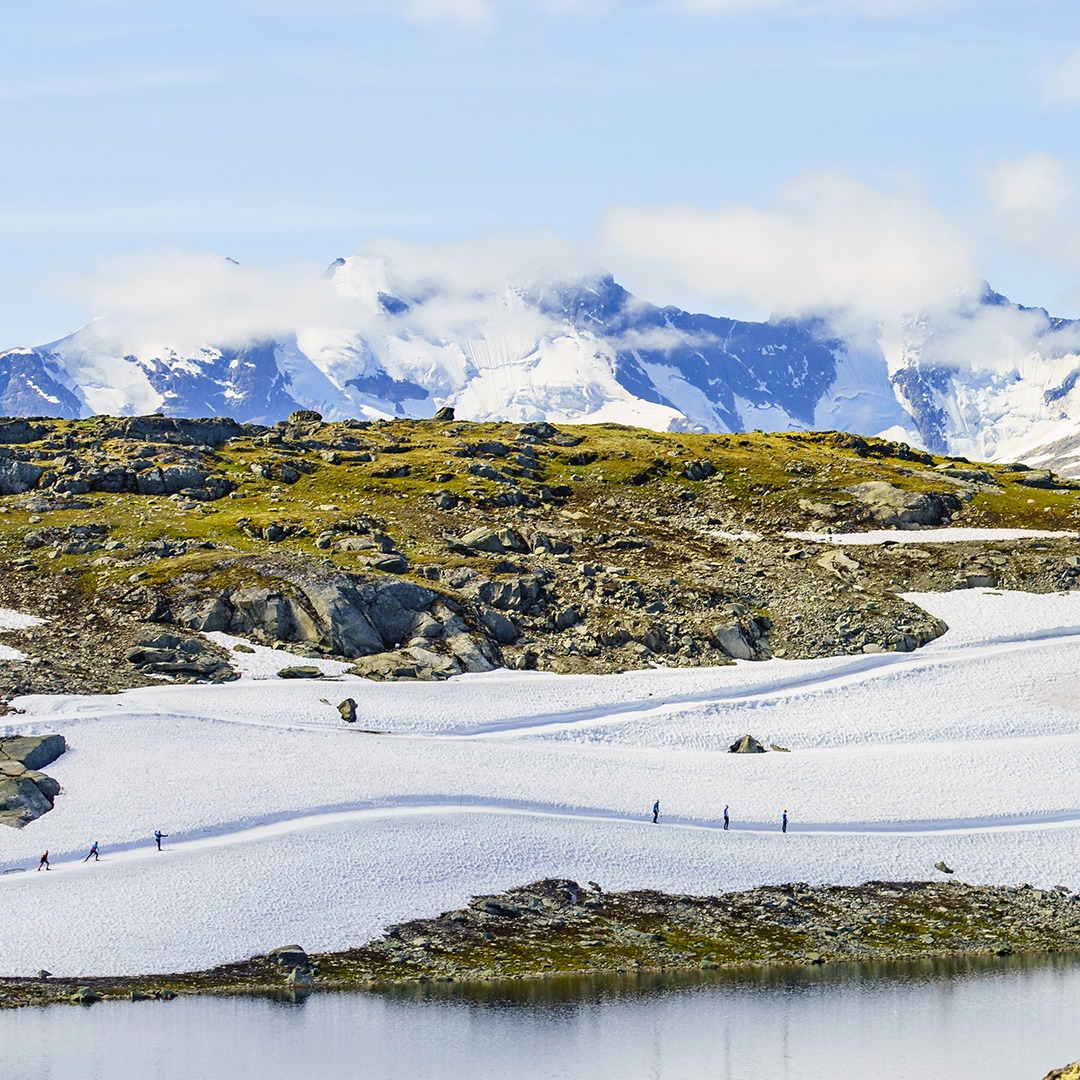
(825, 244)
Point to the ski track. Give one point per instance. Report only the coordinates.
(283, 826)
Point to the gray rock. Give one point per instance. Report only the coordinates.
(48, 787)
(732, 639)
(499, 626)
(347, 708)
(85, 995)
(288, 956)
(747, 744)
(17, 477)
(895, 508)
(699, 470)
(300, 671)
(445, 414)
(21, 801)
(483, 539)
(305, 416)
(34, 751)
(300, 976)
(1037, 478)
(390, 564)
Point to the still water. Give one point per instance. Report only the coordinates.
(1000, 1020)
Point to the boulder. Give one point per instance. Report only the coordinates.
(942, 867)
(347, 708)
(1037, 478)
(300, 671)
(305, 416)
(17, 477)
(390, 564)
(499, 626)
(894, 507)
(746, 745)
(85, 995)
(699, 470)
(288, 956)
(34, 751)
(732, 639)
(445, 414)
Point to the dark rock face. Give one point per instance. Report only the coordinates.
(25, 792)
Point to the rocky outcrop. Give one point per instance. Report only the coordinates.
(393, 628)
(1069, 1072)
(894, 508)
(181, 657)
(25, 792)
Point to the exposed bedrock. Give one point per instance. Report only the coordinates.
(392, 628)
(25, 792)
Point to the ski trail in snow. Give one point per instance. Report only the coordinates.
(792, 683)
(860, 670)
(442, 807)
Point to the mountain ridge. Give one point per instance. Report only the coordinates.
(984, 378)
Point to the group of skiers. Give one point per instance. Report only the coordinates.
(95, 851)
(727, 817)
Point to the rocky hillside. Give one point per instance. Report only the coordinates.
(420, 549)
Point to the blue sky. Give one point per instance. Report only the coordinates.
(709, 152)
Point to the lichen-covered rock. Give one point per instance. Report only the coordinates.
(1068, 1072)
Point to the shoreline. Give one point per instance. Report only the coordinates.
(558, 928)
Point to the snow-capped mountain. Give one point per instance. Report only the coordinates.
(984, 378)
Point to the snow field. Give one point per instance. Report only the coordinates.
(285, 824)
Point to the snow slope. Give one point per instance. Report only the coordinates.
(285, 824)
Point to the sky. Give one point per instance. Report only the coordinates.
(744, 157)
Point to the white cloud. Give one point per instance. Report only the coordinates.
(187, 300)
(1035, 206)
(184, 299)
(1061, 80)
(826, 243)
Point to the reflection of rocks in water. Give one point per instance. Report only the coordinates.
(25, 792)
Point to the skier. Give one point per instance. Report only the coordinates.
(157, 836)
(727, 820)
(655, 811)
(783, 822)
(44, 861)
(93, 852)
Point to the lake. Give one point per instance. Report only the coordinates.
(1000, 1019)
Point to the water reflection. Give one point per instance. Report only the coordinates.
(788, 979)
(994, 1018)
